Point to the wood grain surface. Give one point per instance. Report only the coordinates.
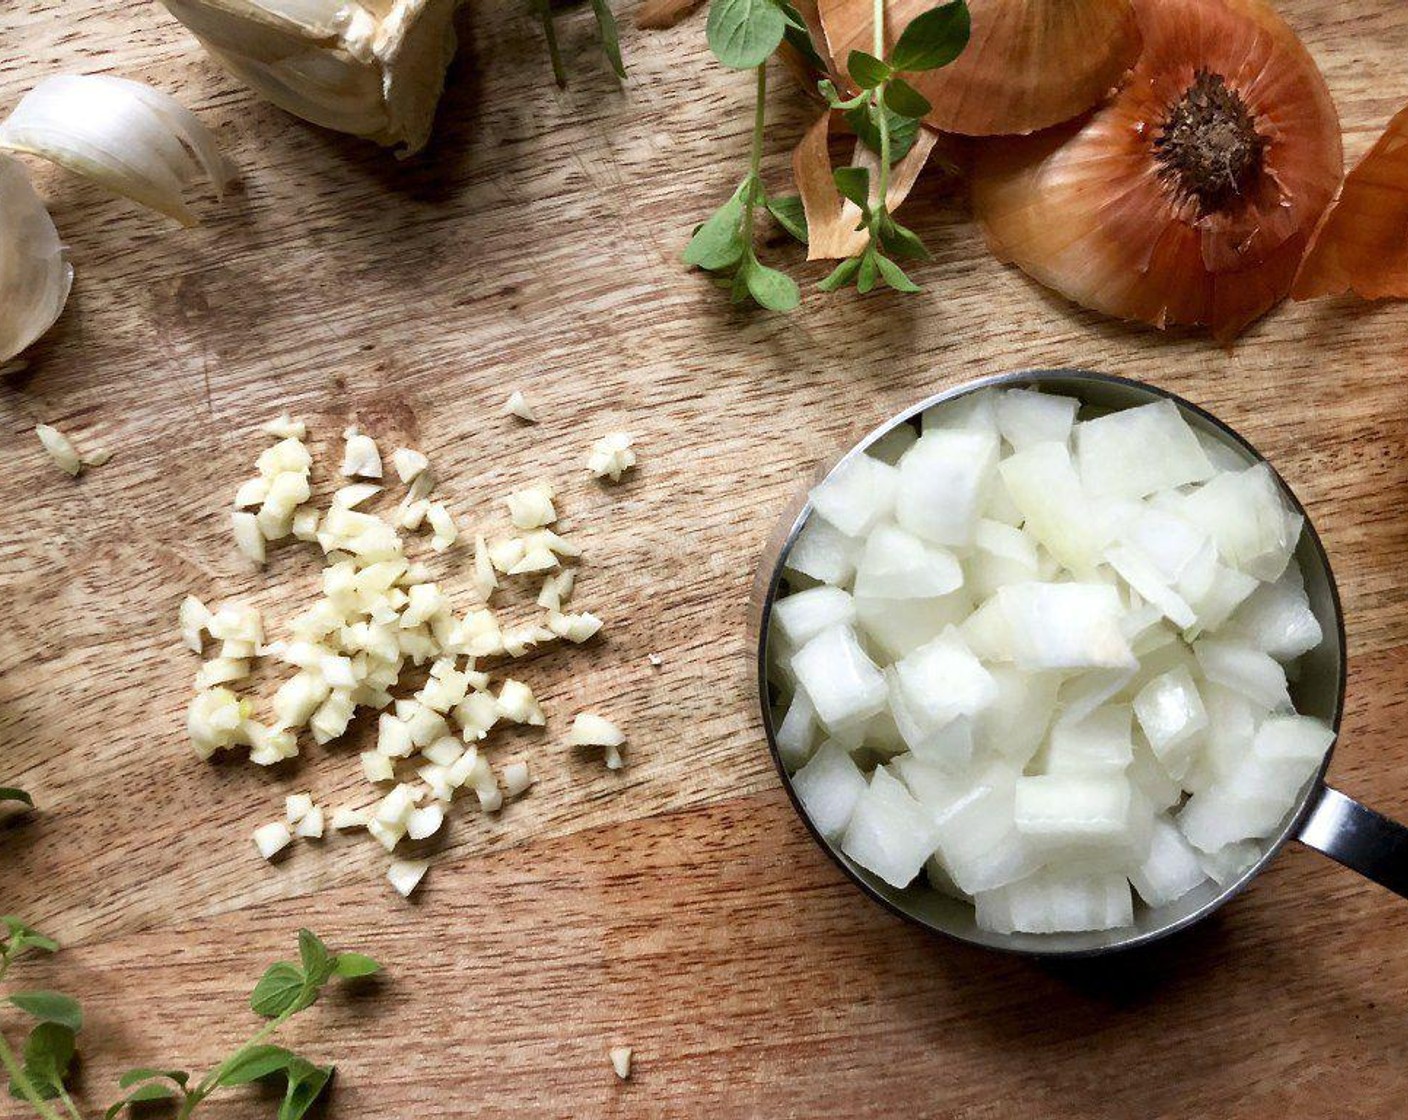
(678, 906)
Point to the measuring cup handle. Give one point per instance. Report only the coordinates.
(1361, 839)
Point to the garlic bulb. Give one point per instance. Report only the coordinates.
(373, 68)
(123, 135)
(35, 275)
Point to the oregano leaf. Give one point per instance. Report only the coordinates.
(144, 1073)
(10, 793)
(932, 39)
(894, 275)
(23, 936)
(866, 274)
(719, 242)
(256, 1062)
(866, 70)
(905, 100)
(853, 183)
(305, 1083)
(743, 33)
(841, 275)
(351, 966)
(771, 289)
(790, 215)
(279, 990)
(151, 1091)
(903, 130)
(901, 242)
(48, 1055)
(317, 961)
(800, 36)
(50, 1007)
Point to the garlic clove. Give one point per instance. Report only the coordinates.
(35, 276)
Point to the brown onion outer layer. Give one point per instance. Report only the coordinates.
(1029, 64)
(1361, 245)
(1089, 211)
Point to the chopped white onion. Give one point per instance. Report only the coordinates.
(621, 1061)
(1021, 721)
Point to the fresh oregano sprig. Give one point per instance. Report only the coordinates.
(284, 990)
(743, 34)
(606, 28)
(885, 115)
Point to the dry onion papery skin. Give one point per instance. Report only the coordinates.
(832, 221)
(35, 276)
(661, 15)
(1361, 245)
(1029, 64)
(373, 69)
(1128, 213)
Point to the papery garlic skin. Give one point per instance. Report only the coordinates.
(373, 69)
(123, 135)
(35, 276)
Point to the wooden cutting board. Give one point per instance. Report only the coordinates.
(678, 907)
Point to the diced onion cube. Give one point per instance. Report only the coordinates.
(311, 826)
(424, 822)
(857, 495)
(1065, 626)
(943, 480)
(842, 681)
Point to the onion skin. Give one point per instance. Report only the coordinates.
(1090, 211)
(1029, 64)
(1361, 245)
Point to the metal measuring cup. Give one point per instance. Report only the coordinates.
(1322, 818)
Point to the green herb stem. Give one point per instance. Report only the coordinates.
(68, 1103)
(211, 1080)
(755, 158)
(16, 1071)
(559, 72)
(882, 118)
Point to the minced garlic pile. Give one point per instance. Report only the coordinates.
(379, 615)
